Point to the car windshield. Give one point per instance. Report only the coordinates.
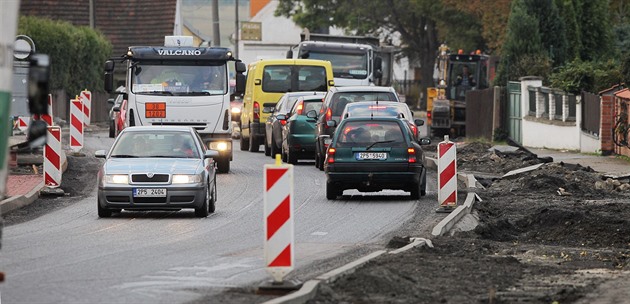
(155, 145)
(341, 99)
(365, 133)
(178, 78)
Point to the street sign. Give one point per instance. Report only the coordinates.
(251, 31)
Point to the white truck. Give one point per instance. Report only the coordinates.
(179, 84)
(356, 60)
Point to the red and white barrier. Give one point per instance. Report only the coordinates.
(76, 125)
(52, 158)
(278, 211)
(48, 118)
(23, 122)
(447, 174)
(86, 99)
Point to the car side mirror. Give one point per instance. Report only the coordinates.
(116, 109)
(425, 141)
(214, 154)
(268, 107)
(240, 67)
(281, 117)
(331, 123)
(311, 114)
(110, 101)
(289, 54)
(100, 154)
(419, 122)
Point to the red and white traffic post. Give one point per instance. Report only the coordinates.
(23, 122)
(76, 124)
(52, 158)
(447, 175)
(279, 247)
(86, 99)
(48, 118)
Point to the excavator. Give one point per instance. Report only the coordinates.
(458, 74)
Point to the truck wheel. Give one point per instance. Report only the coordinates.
(223, 165)
(244, 143)
(254, 146)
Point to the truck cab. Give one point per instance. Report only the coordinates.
(182, 85)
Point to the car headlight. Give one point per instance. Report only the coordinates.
(236, 110)
(116, 179)
(186, 178)
(219, 145)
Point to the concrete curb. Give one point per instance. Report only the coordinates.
(16, 202)
(309, 289)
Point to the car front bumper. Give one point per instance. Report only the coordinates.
(177, 197)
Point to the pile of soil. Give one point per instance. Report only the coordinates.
(552, 234)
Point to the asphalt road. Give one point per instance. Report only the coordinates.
(69, 255)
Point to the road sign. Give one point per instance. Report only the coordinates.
(251, 31)
(447, 175)
(76, 124)
(278, 211)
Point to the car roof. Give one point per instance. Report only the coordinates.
(363, 89)
(306, 93)
(158, 128)
(367, 118)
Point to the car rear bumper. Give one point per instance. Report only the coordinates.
(176, 198)
(374, 179)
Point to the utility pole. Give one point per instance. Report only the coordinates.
(236, 34)
(216, 34)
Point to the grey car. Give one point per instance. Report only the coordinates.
(157, 167)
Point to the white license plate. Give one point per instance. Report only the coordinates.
(149, 192)
(371, 155)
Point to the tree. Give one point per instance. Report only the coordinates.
(596, 31)
(572, 28)
(522, 41)
(551, 27)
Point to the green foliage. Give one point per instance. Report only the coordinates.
(596, 30)
(568, 14)
(622, 38)
(587, 75)
(552, 29)
(625, 68)
(77, 53)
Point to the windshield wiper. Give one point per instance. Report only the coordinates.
(378, 142)
(124, 156)
(161, 156)
(157, 92)
(194, 93)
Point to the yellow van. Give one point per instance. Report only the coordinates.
(267, 81)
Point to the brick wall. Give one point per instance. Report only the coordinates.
(607, 123)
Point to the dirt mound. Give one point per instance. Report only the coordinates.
(480, 157)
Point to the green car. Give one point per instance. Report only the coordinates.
(371, 154)
(298, 133)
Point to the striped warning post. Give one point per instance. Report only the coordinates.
(23, 122)
(52, 158)
(447, 174)
(86, 98)
(278, 211)
(76, 125)
(48, 118)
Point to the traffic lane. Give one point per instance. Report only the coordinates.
(172, 256)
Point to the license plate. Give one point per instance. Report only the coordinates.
(155, 110)
(149, 192)
(371, 155)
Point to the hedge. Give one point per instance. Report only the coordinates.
(77, 52)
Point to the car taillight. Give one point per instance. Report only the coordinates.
(327, 117)
(429, 114)
(412, 155)
(414, 128)
(331, 155)
(282, 121)
(256, 110)
(300, 108)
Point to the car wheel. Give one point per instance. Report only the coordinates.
(102, 212)
(254, 146)
(321, 163)
(415, 191)
(332, 191)
(273, 148)
(267, 149)
(204, 209)
(291, 157)
(112, 129)
(423, 183)
(284, 156)
(223, 165)
(244, 142)
(212, 199)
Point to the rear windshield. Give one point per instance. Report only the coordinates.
(312, 105)
(341, 99)
(365, 133)
(293, 78)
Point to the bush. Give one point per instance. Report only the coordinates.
(77, 53)
(588, 76)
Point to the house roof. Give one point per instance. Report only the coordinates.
(625, 94)
(123, 22)
(612, 89)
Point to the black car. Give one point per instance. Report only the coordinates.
(373, 154)
(335, 102)
(273, 126)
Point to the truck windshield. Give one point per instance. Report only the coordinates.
(178, 78)
(354, 66)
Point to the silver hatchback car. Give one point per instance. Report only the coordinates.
(157, 168)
